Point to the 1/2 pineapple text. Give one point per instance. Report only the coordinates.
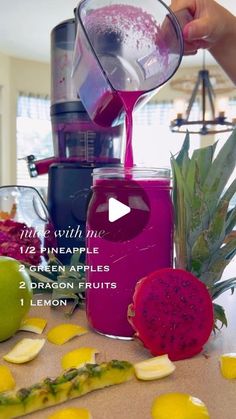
(59, 250)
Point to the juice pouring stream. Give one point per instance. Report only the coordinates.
(129, 99)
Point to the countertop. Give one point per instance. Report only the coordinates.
(199, 376)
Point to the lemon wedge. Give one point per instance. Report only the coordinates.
(34, 325)
(7, 381)
(178, 406)
(24, 351)
(79, 357)
(71, 413)
(64, 332)
(154, 368)
(228, 365)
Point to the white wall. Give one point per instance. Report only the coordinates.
(5, 127)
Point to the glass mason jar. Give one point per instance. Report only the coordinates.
(124, 250)
(25, 226)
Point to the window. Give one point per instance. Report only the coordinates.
(33, 135)
(153, 140)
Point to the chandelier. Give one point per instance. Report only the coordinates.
(203, 94)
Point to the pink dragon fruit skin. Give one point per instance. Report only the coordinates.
(172, 313)
(12, 245)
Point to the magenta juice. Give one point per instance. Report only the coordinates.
(129, 248)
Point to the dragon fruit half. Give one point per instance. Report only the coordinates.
(172, 313)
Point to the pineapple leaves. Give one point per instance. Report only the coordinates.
(230, 221)
(204, 218)
(180, 197)
(204, 156)
(213, 271)
(220, 171)
(183, 154)
(223, 286)
(220, 316)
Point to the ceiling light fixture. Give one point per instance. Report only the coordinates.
(208, 122)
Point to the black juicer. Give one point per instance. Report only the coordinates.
(79, 145)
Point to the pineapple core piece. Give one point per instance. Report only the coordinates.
(71, 413)
(70, 384)
(64, 332)
(7, 381)
(228, 365)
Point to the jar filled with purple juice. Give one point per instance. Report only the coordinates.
(124, 249)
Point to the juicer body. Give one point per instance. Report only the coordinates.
(79, 146)
(68, 196)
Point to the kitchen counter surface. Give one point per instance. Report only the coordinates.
(199, 376)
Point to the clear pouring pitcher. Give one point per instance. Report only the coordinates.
(123, 45)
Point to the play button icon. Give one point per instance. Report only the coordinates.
(117, 210)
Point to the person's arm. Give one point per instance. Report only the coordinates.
(212, 27)
(224, 51)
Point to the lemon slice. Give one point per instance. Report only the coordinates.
(33, 324)
(71, 413)
(79, 357)
(228, 365)
(64, 332)
(7, 381)
(154, 368)
(24, 351)
(178, 406)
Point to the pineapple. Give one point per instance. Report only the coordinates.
(204, 238)
(71, 384)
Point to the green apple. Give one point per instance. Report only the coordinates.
(15, 296)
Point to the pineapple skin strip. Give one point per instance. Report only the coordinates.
(73, 383)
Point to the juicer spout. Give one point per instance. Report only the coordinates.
(39, 167)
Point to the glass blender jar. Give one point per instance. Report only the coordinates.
(123, 46)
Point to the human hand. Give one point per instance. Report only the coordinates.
(211, 24)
